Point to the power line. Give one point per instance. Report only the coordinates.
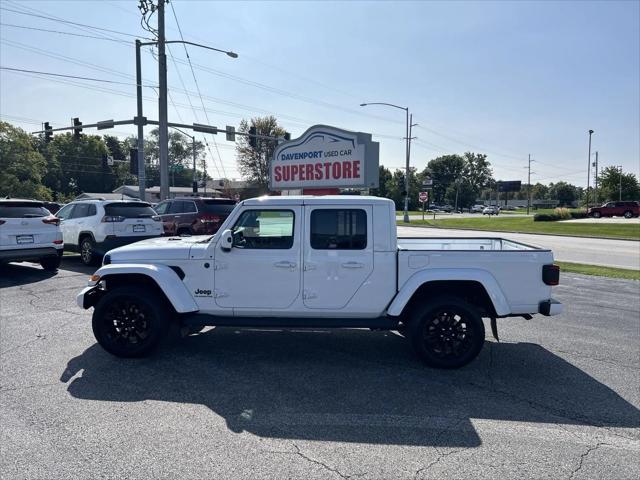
(54, 19)
(195, 80)
(92, 79)
(64, 33)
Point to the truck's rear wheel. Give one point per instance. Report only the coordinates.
(447, 333)
(130, 321)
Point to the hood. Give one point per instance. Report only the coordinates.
(160, 248)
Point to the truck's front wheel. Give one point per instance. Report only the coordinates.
(447, 333)
(130, 321)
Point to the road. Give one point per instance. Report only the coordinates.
(595, 251)
(556, 398)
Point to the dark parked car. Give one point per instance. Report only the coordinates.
(616, 209)
(194, 215)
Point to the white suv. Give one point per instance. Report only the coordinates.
(28, 232)
(93, 227)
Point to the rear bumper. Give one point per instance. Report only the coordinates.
(26, 254)
(550, 307)
(110, 243)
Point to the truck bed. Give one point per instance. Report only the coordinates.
(515, 267)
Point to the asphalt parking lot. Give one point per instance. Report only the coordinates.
(556, 398)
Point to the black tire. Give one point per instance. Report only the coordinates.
(88, 254)
(628, 214)
(50, 264)
(130, 321)
(447, 333)
(596, 215)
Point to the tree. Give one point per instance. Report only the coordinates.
(564, 192)
(444, 171)
(466, 194)
(384, 176)
(22, 167)
(477, 170)
(609, 185)
(253, 162)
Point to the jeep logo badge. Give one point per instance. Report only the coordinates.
(202, 293)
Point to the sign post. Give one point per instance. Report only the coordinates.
(423, 197)
(325, 157)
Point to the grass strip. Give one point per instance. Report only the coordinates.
(599, 271)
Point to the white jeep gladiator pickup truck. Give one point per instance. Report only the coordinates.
(333, 261)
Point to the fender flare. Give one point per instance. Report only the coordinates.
(418, 279)
(166, 279)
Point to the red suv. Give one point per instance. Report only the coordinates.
(194, 215)
(616, 209)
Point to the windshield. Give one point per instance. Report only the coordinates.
(129, 210)
(22, 210)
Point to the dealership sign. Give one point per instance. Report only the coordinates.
(325, 157)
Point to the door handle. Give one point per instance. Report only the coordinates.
(352, 265)
(290, 265)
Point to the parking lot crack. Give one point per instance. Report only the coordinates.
(322, 464)
(584, 455)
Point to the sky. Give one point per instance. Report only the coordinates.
(507, 79)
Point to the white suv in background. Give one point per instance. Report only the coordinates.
(28, 232)
(93, 227)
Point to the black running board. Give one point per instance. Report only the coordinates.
(202, 319)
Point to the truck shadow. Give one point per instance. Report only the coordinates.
(351, 386)
(24, 273)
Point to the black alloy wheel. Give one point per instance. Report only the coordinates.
(449, 333)
(130, 322)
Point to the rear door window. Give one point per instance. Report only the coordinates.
(129, 210)
(189, 207)
(176, 207)
(334, 229)
(81, 210)
(22, 210)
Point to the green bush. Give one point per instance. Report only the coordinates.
(546, 217)
(578, 214)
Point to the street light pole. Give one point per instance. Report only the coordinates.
(142, 179)
(529, 185)
(163, 128)
(588, 170)
(595, 193)
(406, 197)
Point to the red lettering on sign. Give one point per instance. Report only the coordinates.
(346, 169)
(327, 170)
(308, 171)
(277, 175)
(356, 169)
(318, 168)
(336, 170)
(294, 172)
(286, 173)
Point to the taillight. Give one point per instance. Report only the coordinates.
(551, 274)
(51, 220)
(57, 242)
(112, 218)
(210, 219)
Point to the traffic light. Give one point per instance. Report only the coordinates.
(231, 133)
(402, 185)
(48, 134)
(133, 161)
(253, 141)
(77, 128)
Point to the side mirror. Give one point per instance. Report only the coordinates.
(226, 240)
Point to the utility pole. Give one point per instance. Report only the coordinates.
(588, 170)
(529, 185)
(162, 106)
(620, 183)
(142, 179)
(406, 197)
(595, 193)
(195, 177)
